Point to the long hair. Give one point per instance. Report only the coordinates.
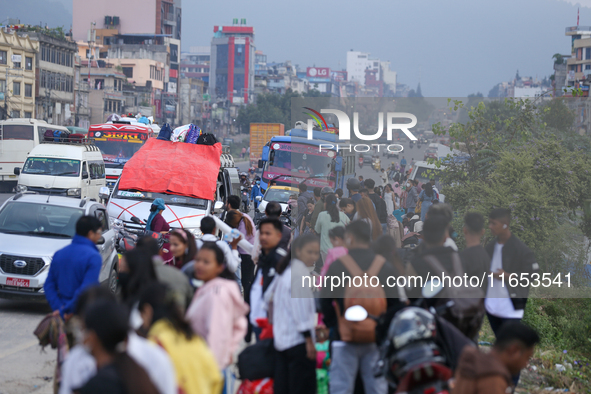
(160, 298)
(233, 219)
(366, 210)
(428, 189)
(188, 240)
(220, 259)
(296, 245)
(386, 247)
(141, 273)
(330, 202)
(109, 321)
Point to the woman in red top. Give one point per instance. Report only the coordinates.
(158, 224)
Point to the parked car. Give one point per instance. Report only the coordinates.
(32, 228)
(280, 194)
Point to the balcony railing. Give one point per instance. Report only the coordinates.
(573, 29)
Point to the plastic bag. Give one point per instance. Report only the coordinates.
(178, 134)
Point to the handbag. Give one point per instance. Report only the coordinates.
(257, 361)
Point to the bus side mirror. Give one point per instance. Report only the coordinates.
(265, 155)
(260, 164)
(17, 171)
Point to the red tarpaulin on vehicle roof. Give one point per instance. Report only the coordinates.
(173, 167)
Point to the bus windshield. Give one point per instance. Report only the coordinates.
(298, 161)
(118, 147)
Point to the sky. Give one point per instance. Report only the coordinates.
(453, 48)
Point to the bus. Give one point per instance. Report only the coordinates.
(118, 142)
(18, 137)
(292, 159)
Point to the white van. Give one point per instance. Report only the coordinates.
(72, 169)
(423, 172)
(17, 138)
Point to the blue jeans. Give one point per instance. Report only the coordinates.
(384, 228)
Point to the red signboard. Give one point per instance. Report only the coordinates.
(318, 72)
(340, 76)
(173, 73)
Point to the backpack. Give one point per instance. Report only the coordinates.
(59, 135)
(467, 311)
(206, 139)
(165, 132)
(48, 135)
(373, 299)
(193, 134)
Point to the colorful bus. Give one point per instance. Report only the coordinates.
(292, 159)
(118, 142)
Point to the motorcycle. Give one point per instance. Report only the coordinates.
(126, 238)
(376, 164)
(244, 195)
(419, 349)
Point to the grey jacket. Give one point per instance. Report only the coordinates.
(411, 198)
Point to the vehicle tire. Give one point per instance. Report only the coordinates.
(113, 281)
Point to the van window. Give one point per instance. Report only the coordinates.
(101, 215)
(50, 166)
(97, 170)
(18, 132)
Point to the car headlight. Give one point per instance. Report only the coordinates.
(21, 188)
(196, 232)
(74, 192)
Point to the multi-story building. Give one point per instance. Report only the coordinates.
(81, 96)
(54, 96)
(578, 66)
(105, 92)
(17, 75)
(357, 63)
(191, 100)
(231, 72)
(128, 17)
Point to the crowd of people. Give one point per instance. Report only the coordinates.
(183, 312)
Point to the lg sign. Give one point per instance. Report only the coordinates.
(318, 72)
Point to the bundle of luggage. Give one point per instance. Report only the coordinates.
(61, 136)
(189, 133)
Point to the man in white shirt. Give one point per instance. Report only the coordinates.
(510, 256)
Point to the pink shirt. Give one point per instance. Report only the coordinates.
(242, 229)
(218, 314)
(332, 255)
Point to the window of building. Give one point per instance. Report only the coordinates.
(128, 71)
(63, 58)
(16, 114)
(28, 114)
(17, 64)
(99, 84)
(587, 66)
(2, 86)
(28, 63)
(16, 88)
(53, 55)
(28, 90)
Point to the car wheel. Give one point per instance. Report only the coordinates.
(113, 282)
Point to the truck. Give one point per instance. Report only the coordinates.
(260, 134)
(18, 137)
(437, 151)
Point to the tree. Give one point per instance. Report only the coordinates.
(419, 93)
(512, 159)
(558, 58)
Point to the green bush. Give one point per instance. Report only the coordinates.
(563, 324)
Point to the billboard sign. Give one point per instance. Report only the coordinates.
(318, 72)
(339, 76)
